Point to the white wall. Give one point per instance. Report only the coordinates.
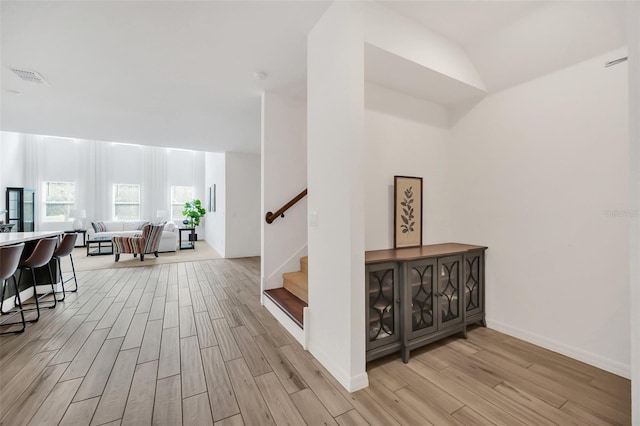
(538, 173)
(11, 163)
(405, 136)
(243, 214)
(11, 166)
(633, 31)
(284, 175)
(214, 174)
(335, 151)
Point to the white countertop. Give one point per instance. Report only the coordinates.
(8, 238)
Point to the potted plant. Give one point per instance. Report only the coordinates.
(193, 211)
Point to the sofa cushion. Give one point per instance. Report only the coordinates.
(118, 234)
(113, 226)
(143, 224)
(99, 227)
(134, 225)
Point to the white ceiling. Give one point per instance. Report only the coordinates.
(162, 73)
(511, 42)
(180, 74)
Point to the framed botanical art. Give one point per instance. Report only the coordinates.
(407, 211)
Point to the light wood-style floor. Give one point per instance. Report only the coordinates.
(188, 343)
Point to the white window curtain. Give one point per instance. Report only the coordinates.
(34, 163)
(94, 167)
(154, 189)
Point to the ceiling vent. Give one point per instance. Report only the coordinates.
(30, 76)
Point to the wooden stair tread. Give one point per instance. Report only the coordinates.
(289, 303)
(304, 264)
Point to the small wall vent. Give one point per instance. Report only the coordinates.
(30, 76)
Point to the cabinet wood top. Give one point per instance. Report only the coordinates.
(413, 253)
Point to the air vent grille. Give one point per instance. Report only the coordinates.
(30, 76)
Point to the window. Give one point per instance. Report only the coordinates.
(59, 200)
(126, 202)
(179, 196)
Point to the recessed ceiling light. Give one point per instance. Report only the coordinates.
(260, 75)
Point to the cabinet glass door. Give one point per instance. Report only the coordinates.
(449, 300)
(29, 210)
(21, 209)
(420, 285)
(473, 282)
(13, 207)
(382, 294)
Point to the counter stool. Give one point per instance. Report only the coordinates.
(41, 256)
(64, 249)
(9, 260)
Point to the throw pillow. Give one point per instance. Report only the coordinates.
(99, 226)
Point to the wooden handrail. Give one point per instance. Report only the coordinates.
(270, 217)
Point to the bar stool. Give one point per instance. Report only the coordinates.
(64, 249)
(41, 256)
(9, 260)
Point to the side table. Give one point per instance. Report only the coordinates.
(190, 242)
(84, 236)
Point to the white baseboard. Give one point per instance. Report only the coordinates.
(25, 294)
(284, 320)
(8, 304)
(274, 280)
(350, 383)
(590, 358)
(305, 320)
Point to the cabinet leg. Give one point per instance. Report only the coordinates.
(405, 355)
(464, 333)
(483, 322)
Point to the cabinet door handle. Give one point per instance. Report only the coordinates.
(398, 301)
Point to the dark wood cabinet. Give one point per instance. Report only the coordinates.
(419, 295)
(21, 209)
(383, 301)
(474, 287)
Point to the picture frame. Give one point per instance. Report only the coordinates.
(407, 211)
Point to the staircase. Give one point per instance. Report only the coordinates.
(293, 297)
(297, 283)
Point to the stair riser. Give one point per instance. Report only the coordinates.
(296, 289)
